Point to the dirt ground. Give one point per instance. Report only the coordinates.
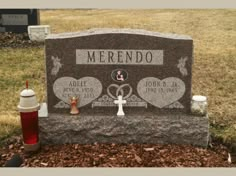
(117, 155)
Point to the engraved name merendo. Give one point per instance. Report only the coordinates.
(131, 57)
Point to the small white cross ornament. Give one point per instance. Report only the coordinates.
(120, 103)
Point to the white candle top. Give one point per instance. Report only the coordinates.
(199, 98)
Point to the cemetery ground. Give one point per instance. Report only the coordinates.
(214, 70)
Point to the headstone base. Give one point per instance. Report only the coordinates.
(151, 129)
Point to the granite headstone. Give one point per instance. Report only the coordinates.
(155, 71)
(152, 72)
(17, 20)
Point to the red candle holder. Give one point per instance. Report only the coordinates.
(28, 108)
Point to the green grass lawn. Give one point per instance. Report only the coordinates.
(214, 69)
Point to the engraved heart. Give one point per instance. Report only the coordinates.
(86, 89)
(161, 93)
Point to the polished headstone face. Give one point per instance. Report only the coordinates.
(152, 71)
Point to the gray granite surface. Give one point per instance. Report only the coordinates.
(97, 31)
(161, 129)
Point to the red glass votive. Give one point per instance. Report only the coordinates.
(29, 124)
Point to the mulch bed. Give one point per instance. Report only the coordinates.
(8, 39)
(117, 155)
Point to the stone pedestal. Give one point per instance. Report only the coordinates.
(149, 128)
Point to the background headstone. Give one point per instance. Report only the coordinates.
(18, 20)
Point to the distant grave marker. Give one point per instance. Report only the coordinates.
(38, 32)
(17, 20)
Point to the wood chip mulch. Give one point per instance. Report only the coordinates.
(117, 155)
(8, 39)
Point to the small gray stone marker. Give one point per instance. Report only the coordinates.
(43, 111)
(150, 71)
(38, 32)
